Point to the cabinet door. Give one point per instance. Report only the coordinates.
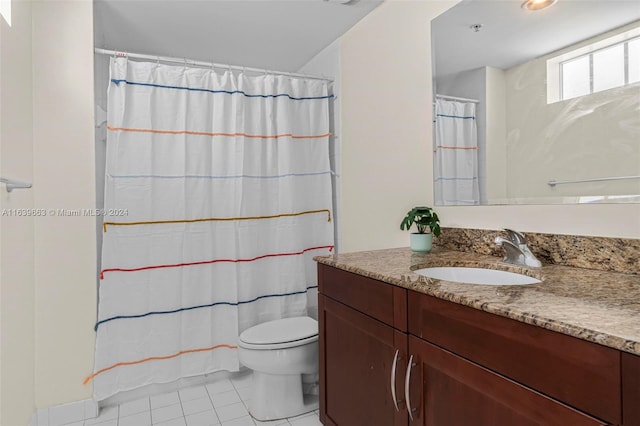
(357, 355)
(447, 390)
(582, 374)
(630, 389)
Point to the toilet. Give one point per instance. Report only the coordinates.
(282, 354)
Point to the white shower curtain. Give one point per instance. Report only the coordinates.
(456, 154)
(217, 197)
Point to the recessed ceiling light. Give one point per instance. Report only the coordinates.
(537, 4)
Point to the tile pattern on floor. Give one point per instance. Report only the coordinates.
(222, 403)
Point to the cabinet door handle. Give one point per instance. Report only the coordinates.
(393, 379)
(407, 381)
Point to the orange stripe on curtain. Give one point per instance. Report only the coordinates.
(193, 132)
(155, 358)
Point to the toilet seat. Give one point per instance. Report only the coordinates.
(280, 334)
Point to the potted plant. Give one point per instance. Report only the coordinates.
(427, 223)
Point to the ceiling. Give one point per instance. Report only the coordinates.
(279, 35)
(511, 35)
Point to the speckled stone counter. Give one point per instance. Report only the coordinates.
(598, 306)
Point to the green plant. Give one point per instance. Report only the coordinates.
(423, 217)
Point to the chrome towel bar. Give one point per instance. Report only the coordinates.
(554, 182)
(13, 184)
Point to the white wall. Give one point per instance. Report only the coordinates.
(496, 140)
(100, 86)
(387, 135)
(386, 122)
(17, 339)
(64, 177)
(47, 263)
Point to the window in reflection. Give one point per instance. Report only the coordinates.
(576, 78)
(634, 61)
(600, 69)
(608, 68)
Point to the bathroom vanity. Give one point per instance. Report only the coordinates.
(399, 349)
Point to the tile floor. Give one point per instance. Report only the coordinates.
(222, 403)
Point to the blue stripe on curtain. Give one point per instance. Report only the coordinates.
(470, 117)
(228, 92)
(454, 202)
(210, 305)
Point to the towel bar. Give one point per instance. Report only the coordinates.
(13, 184)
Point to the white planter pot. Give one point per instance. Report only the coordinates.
(421, 242)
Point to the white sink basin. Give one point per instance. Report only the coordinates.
(476, 276)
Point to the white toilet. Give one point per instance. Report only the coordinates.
(280, 353)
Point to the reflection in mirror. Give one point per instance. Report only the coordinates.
(537, 107)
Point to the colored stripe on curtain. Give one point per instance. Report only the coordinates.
(456, 154)
(220, 187)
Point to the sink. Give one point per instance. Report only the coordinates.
(480, 276)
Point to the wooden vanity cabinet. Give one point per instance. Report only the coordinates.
(362, 328)
(468, 368)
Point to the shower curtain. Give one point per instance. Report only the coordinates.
(217, 197)
(456, 154)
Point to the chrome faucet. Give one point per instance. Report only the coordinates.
(516, 250)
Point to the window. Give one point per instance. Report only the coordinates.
(613, 66)
(612, 62)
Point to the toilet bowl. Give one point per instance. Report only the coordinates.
(282, 354)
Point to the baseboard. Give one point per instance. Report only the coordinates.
(71, 414)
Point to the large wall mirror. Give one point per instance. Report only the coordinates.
(537, 107)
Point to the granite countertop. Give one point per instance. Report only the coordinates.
(598, 306)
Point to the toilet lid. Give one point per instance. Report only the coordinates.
(280, 331)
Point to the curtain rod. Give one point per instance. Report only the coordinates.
(455, 98)
(203, 64)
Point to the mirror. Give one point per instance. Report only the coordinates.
(537, 107)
